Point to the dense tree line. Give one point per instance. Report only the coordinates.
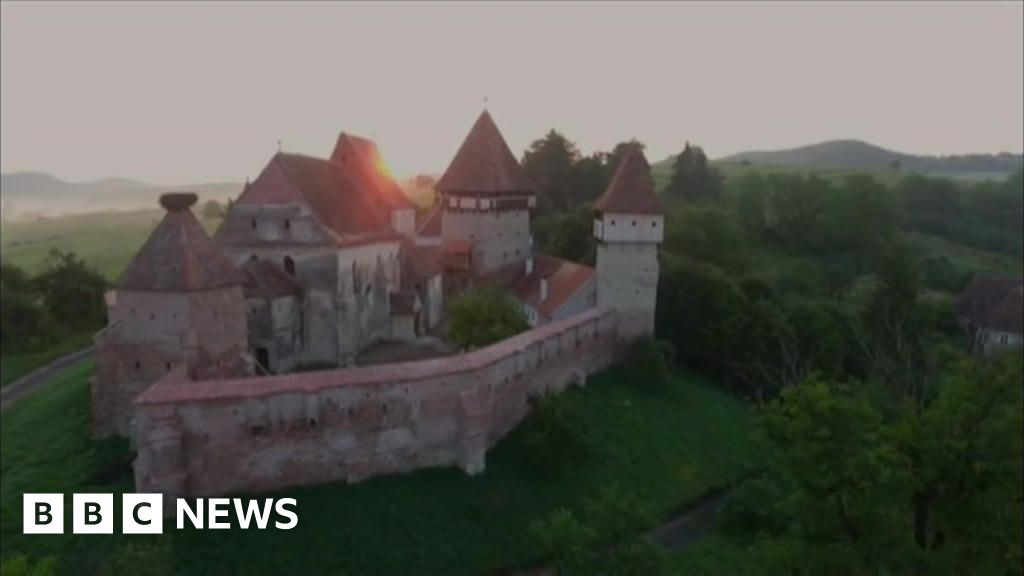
(67, 294)
(899, 453)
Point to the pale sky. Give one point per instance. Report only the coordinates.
(190, 92)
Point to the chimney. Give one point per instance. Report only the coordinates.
(529, 265)
(543, 289)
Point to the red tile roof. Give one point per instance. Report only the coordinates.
(631, 190)
(565, 279)
(364, 165)
(327, 187)
(179, 256)
(430, 224)
(484, 164)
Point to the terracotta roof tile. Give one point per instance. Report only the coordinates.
(364, 165)
(179, 256)
(565, 279)
(484, 164)
(631, 190)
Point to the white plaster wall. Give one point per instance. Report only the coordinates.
(501, 238)
(629, 227)
(627, 280)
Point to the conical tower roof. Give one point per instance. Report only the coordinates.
(179, 256)
(484, 164)
(631, 190)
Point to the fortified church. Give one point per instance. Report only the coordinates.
(319, 258)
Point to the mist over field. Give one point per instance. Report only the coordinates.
(32, 195)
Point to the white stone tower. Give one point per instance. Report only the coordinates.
(629, 224)
(485, 202)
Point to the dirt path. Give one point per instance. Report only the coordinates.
(38, 378)
(690, 526)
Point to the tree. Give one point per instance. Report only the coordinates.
(23, 322)
(692, 178)
(71, 291)
(847, 484)
(550, 163)
(483, 316)
(212, 209)
(706, 233)
(965, 450)
(935, 490)
(567, 235)
(701, 312)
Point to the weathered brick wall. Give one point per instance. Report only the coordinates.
(257, 434)
(150, 334)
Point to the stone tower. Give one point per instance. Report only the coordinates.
(180, 303)
(628, 225)
(485, 202)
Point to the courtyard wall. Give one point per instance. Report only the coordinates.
(266, 433)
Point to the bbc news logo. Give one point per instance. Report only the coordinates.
(143, 513)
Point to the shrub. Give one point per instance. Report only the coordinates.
(563, 540)
(753, 507)
(20, 565)
(616, 515)
(482, 316)
(650, 361)
(555, 436)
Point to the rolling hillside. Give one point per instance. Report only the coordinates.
(859, 155)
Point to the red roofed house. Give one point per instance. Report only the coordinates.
(992, 312)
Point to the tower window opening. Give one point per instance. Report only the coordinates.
(287, 224)
(289, 265)
(253, 223)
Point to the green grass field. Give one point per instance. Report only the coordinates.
(667, 448)
(105, 240)
(967, 259)
(14, 365)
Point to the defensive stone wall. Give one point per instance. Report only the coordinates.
(266, 433)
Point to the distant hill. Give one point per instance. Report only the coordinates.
(859, 155)
(36, 194)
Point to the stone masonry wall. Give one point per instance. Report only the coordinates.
(258, 434)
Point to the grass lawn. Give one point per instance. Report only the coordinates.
(667, 448)
(965, 258)
(14, 365)
(107, 241)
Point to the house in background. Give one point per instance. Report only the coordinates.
(992, 312)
